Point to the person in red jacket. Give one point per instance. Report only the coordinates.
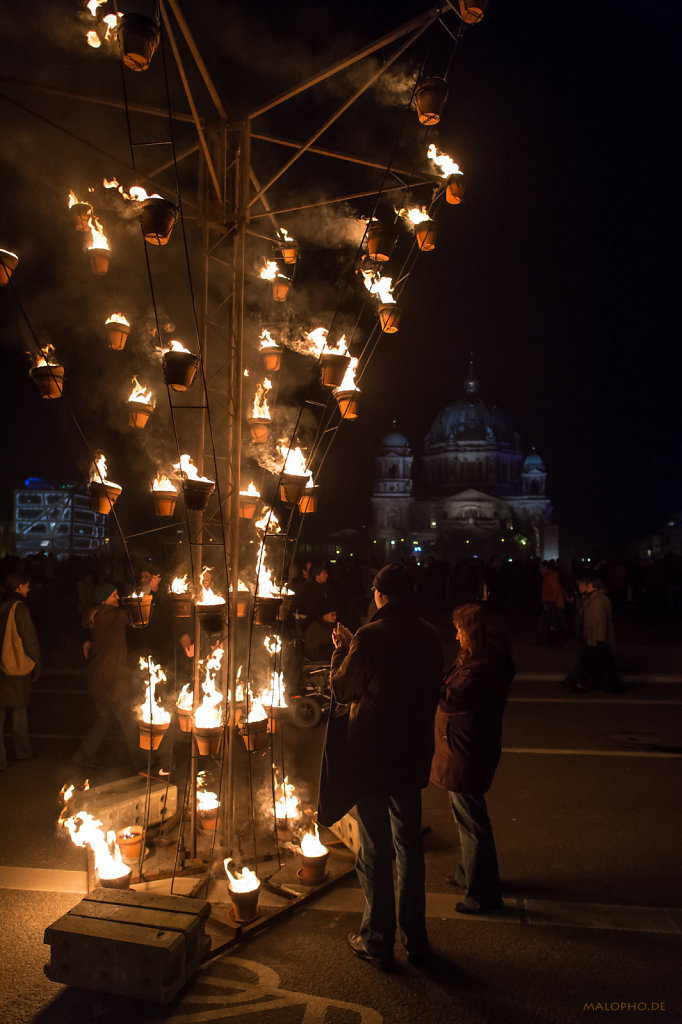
(468, 744)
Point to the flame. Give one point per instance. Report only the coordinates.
(209, 714)
(381, 286)
(140, 393)
(445, 163)
(151, 712)
(266, 341)
(265, 585)
(348, 382)
(273, 644)
(188, 470)
(284, 236)
(164, 483)
(269, 271)
(242, 881)
(117, 318)
(257, 712)
(206, 800)
(294, 460)
(311, 845)
(176, 346)
(180, 585)
(137, 194)
(99, 471)
(92, 6)
(93, 40)
(75, 201)
(46, 357)
(273, 697)
(261, 410)
(86, 830)
(185, 701)
(98, 238)
(268, 522)
(318, 340)
(416, 215)
(251, 491)
(209, 596)
(287, 804)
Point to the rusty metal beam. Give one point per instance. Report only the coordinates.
(139, 108)
(337, 156)
(342, 199)
(198, 60)
(177, 158)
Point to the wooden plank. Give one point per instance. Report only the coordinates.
(142, 917)
(152, 901)
(112, 932)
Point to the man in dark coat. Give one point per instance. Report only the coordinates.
(389, 673)
(15, 690)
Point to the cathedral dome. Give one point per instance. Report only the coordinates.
(533, 461)
(394, 439)
(470, 419)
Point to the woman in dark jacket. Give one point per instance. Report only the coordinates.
(468, 743)
(15, 690)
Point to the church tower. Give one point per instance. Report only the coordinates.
(392, 495)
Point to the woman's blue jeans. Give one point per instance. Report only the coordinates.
(479, 856)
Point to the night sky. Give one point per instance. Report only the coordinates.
(557, 272)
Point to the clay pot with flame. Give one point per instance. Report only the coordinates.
(472, 12)
(138, 414)
(179, 369)
(280, 288)
(121, 882)
(349, 404)
(139, 37)
(209, 740)
(212, 616)
(157, 219)
(255, 734)
(455, 189)
(183, 606)
(275, 718)
(48, 379)
(272, 358)
(103, 496)
(266, 610)
(307, 503)
(289, 250)
(291, 487)
(430, 97)
(248, 503)
(129, 841)
(198, 494)
(380, 242)
(244, 905)
(117, 334)
(208, 820)
(333, 368)
(164, 503)
(139, 609)
(8, 264)
(99, 261)
(260, 428)
(81, 213)
(152, 734)
(389, 317)
(313, 869)
(243, 601)
(425, 234)
(184, 719)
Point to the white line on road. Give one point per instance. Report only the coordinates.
(614, 699)
(592, 753)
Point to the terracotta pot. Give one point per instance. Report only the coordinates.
(255, 734)
(244, 905)
(130, 841)
(198, 493)
(260, 428)
(291, 487)
(455, 189)
(425, 233)
(349, 404)
(208, 820)
(307, 503)
(430, 97)
(157, 219)
(103, 497)
(289, 251)
(280, 288)
(333, 368)
(266, 610)
(99, 260)
(117, 335)
(139, 609)
(138, 37)
(212, 616)
(123, 882)
(179, 370)
(49, 380)
(248, 503)
(183, 606)
(313, 869)
(272, 359)
(81, 213)
(389, 316)
(151, 735)
(184, 719)
(164, 502)
(208, 741)
(380, 242)
(8, 264)
(243, 599)
(138, 414)
(472, 12)
(275, 718)
(238, 713)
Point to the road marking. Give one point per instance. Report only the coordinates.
(613, 699)
(628, 677)
(43, 880)
(592, 753)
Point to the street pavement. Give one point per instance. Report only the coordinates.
(586, 810)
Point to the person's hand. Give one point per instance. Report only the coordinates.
(341, 636)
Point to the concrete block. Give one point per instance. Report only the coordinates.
(346, 829)
(122, 802)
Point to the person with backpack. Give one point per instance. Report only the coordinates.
(20, 664)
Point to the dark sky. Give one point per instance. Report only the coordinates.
(559, 271)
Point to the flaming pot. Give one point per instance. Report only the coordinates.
(138, 414)
(289, 251)
(380, 242)
(280, 288)
(179, 370)
(333, 368)
(425, 233)
(99, 260)
(49, 380)
(151, 735)
(272, 359)
(184, 719)
(208, 819)
(164, 502)
(266, 610)
(275, 716)
(291, 487)
(139, 609)
(122, 882)
(158, 218)
(182, 606)
(431, 95)
(349, 404)
(209, 741)
(81, 213)
(260, 428)
(198, 493)
(455, 189)
(130, 842)
(248, 503)
(117, 335)
(242, 604)
(389, 315)
(103, 496)
(8, 263)
(255, 734)
(244, 904)
(313, 869)
(139, 36)
(212, 616)
(308, 500)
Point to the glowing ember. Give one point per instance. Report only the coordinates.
(180, 585)
(242, 881)
(348, 382)
(269, 271)
(445, 164)
(188, 470)
(98, 240)
(86, 830)
(46, 357)
(176, 346)
(268, 522)
(287, 804)
(209, 714)
(294, 460)
(251, 491)
(260, 405)
(209, 596)
(140, 393)
(266, 341)
(150, 711)
(99, 472)
(117, 318)
(311, 845)
(381, 286)
(164, 483)
(416, 215)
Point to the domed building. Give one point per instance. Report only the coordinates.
(474, 491)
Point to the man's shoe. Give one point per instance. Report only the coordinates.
(421, 957)
(471, 906)
(457, 880)
(358, 946)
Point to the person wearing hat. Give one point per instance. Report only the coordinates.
(378, 756)
(108, 678)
